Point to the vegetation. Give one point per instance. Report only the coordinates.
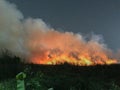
(10, 65)
(57, 77)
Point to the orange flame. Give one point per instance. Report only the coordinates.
(83, 61)
(57, 57)
(53, 47)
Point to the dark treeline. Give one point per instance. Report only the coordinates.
(66, 76)
(10, 65)
(99, 71)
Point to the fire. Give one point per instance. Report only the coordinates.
(57, 57)
(48, 46)
(39, 43)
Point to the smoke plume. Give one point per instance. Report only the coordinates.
(33, 39)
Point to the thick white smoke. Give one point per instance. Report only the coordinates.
(11, 30)
(31, 37)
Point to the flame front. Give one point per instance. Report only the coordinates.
(82, 59)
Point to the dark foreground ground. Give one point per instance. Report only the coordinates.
(70, 77)
(61, 77)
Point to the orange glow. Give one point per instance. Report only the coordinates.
(53, 47)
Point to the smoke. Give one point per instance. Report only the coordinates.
(32, 38)
(10, 27)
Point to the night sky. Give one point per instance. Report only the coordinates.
(79, 16)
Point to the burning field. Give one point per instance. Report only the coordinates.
(53, 58)
(38, 43)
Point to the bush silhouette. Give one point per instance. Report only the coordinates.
(10, 65)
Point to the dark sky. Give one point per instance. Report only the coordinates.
(79, 16)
